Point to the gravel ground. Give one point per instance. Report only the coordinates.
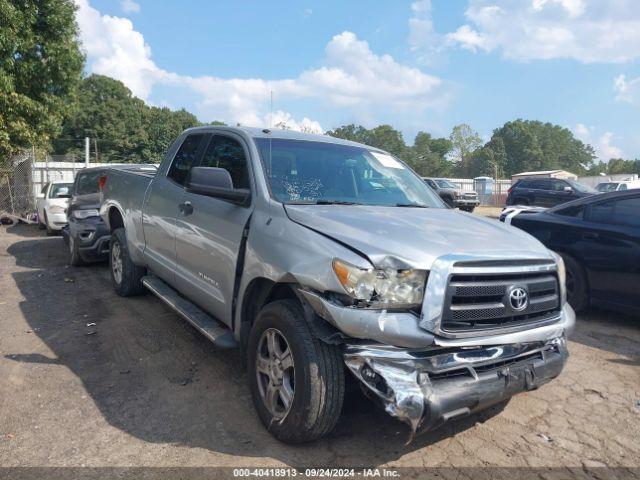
(91, 379)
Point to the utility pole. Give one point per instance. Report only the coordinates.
(95, 147)
(86, 152)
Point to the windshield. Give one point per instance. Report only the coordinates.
(446, 184)
(58, 189)
(307, 172)
(580, 187)
(607, 187)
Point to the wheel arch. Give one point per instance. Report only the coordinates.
(262, 291)
(115, 218)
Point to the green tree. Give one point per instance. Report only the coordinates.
(355, 133)
(108, 112)
(40, 67)
(123, 127)
(464, 141)
(429, 155)
(533, 145)
(388, 138)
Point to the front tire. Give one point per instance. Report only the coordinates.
(577, 287)
(297, 384)
(50, 231)
(126, 276)
(75, 258)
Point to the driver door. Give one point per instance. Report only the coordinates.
(209, 232)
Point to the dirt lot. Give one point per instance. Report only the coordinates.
(88, 378)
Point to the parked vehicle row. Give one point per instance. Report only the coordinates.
(546, 192)
(320, 258)
(618, 186)
(453, 195)
(599, 239)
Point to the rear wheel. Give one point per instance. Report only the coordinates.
(126, 276)
(296, 381)
(577, 288)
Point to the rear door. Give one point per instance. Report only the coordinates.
(162, 206)
(210, 231)
(611, 250)
(543, 193)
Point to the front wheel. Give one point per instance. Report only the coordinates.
(75, 258)
(577, 288)
(50, 231)
(126, 276)
(297, 381)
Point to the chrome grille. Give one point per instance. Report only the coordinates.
(482, 301)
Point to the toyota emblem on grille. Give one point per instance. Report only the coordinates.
(518, 298)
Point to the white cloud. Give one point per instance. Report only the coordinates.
(281, 119)
(423, 39)
(115, 49)
(602, 144)
(307, 12)
(351, 76)
(129, 6)
(627, 90)
(584, 30)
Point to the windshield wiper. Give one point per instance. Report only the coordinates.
(325, 202)
(412, 205)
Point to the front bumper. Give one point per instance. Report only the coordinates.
(92, 237)
(427, 388)
(402, 329)
(465, 202)
(56, 221)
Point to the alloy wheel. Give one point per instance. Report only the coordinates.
(116, 262)
(275, 372)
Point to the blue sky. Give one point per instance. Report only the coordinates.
(422, 65)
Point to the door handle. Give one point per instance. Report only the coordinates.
(185, 208)
(590, 235)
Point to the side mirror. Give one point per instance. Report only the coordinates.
(568, 190)
(40, 195)
(216, 182)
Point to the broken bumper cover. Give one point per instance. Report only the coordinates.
(427, 388)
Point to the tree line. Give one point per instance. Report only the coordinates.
(45, 102)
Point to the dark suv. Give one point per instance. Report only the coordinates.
(546, 192)
(86, 235)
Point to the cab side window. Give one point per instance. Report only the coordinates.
(227, 153)
(185, 159)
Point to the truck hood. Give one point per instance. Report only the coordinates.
(415, 237)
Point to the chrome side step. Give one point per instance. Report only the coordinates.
(212, 329)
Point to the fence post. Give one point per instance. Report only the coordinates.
(86, 152)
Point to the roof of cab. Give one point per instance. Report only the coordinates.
(279, 134)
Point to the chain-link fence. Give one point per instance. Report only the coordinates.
(16, 186)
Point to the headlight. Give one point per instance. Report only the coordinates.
(382, 288)
(81, 214)
(562, 277)
(56, 209)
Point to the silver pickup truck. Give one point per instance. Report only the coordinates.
(322, 258)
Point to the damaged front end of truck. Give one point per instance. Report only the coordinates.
(486, 330)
